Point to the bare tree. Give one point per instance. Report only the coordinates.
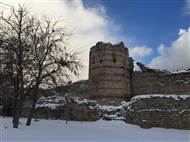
(36, 55)
(52, 60)
(13, 48)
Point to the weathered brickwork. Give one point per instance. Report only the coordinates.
(109, 71)
(76, 112)
(111, 75)
(160, 111)
(160, 83)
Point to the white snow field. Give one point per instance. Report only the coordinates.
(57, 130)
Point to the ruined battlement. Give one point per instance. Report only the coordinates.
(160, 83)
(111, 75)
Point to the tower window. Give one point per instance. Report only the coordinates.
(93, 62)
(114, 60)
(100, 61)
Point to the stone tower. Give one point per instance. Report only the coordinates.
(109, 72)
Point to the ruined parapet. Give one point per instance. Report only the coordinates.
(109, 72)
(143, 68)
(160, 82)
(156, 110)
(155, 81)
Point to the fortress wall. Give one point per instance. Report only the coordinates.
(160, 83)
(117, 70)
(171, 111)
(109, 71)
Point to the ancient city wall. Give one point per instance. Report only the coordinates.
(160, 83)
(111, 76)
(76, 112)
(109, 71)
(171, 111)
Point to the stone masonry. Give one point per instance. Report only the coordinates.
(171, 111)
(160, 83)
(109, 72)
(111, 76)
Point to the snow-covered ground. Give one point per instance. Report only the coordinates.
(57, 130)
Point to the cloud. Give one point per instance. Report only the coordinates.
(90, 24)
(186, 8)
(162, 50)
(175, 57)
(139, 51)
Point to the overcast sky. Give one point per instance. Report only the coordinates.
(157, 33)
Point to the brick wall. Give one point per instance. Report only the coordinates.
(109, 71)
(159, 111)
(160, 83)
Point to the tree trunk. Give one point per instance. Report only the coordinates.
(17, 115)
(14, 107)
(33, 104)
(22, 94)
(18, 112)
(15, 80)
(16, 119)
(32, 110)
